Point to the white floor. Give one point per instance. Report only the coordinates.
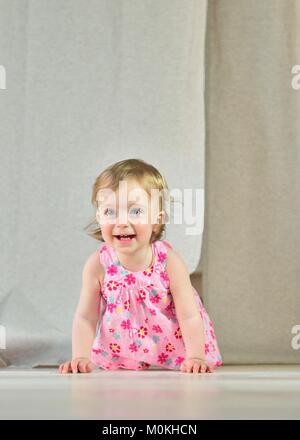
(231, 392)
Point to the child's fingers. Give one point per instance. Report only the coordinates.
(61, 368)
(64, 368)
(82, 366)
(85, 366)
(196, 367)
(90, 366)
(190, 367)
(182, 367)
(203, 368)
(75, 365)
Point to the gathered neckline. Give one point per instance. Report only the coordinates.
(135, 271)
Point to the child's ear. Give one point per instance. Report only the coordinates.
(98, 217)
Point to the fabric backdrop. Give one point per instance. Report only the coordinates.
(88, 83)
(251, 243)
(92, 82)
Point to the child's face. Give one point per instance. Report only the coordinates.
(130, 211)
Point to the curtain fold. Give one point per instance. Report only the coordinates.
(251, 247)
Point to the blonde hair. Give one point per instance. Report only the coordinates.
(147, 176)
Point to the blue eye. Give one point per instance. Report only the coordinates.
(109, 212)
(137, 210)
(106, 211)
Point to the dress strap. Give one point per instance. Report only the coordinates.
(167, 243)
(162, 247)
(105, 256)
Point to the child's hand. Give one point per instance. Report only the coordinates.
(77, 365)
(195, 365)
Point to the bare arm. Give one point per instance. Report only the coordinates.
(85, 318)
(87, 311)
(83, 334)
(187, 312)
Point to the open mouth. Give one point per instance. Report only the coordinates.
(125, 237)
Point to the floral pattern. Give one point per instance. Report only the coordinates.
(138, 326)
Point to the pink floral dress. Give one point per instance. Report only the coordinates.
(138, 326)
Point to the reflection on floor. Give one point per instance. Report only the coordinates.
(231, 392)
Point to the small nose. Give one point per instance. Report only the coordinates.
(122, 219)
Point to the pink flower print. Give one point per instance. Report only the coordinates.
(143, 366)
(103, 249)
(162, 358)
(115, 348)
(173, 309)
(178, 333)
(112, 270)
(142, 332)
(129, 279)
(212, 334)
(96, 350)
(209, 347)
(154, 297)
(218, 363)
(126, 324)
(179, 360)
(111, 330)
(157, 328)
(146, 350)
(210, 323)
(148, 272)
(112, 285)
(133, 347)
(127, 304)
(111, 307)
(141, 295)
(164, 275)
(170, 347)
(162, 256)
(153, 312)
(157, 269)
(169, 307)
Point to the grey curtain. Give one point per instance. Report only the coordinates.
(88, 83)
(251, 245)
